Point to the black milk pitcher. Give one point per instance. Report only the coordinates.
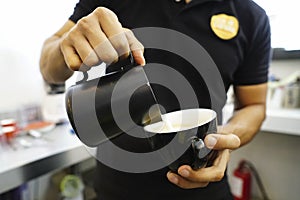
(106, 107)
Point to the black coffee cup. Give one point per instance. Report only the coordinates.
(181, 136)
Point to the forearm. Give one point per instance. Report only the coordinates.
(52, 63)
(246, 122)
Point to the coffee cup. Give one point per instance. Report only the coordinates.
(179, 137)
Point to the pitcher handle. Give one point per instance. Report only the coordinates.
(124, 64)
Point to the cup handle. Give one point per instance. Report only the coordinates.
(200, 153)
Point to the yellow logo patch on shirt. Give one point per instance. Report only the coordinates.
(224, 26)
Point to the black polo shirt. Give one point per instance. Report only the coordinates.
(242, 60)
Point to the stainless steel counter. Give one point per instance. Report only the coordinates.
(59, 150)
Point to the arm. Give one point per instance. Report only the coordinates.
(240, 129)
(52, 63)
(249, 114)
(98, 37)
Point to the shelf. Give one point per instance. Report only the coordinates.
(283, 121)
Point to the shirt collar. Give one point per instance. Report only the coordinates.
(204, 1)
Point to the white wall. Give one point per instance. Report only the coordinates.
(283, 19)
(24, 27)
(283, 68)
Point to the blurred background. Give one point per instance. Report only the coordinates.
(24, 27)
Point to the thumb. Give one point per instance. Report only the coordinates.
(221, 141)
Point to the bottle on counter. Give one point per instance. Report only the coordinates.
(53, 106)
(292, 95)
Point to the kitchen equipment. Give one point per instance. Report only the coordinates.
(104, 108)
(285, 93)
(9, 128)
(182, 134)
(53, 104)
(72, 187)
(291, 97)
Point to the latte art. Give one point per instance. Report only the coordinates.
(167, 127)
(181, 120)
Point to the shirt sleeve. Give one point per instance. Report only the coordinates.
(84, 8)
(255, 67)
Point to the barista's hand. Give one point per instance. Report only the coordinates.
(188, 178)
(99, 37)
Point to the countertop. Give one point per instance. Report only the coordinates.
(56, 149)
(284, 121)
(280, 120)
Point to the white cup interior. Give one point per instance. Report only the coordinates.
(181, 120)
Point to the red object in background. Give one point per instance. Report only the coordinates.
(9, 132)
(9, 128)
(8, 122)
(241, 182)
(39, 126)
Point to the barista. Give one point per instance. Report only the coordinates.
(240, 48)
